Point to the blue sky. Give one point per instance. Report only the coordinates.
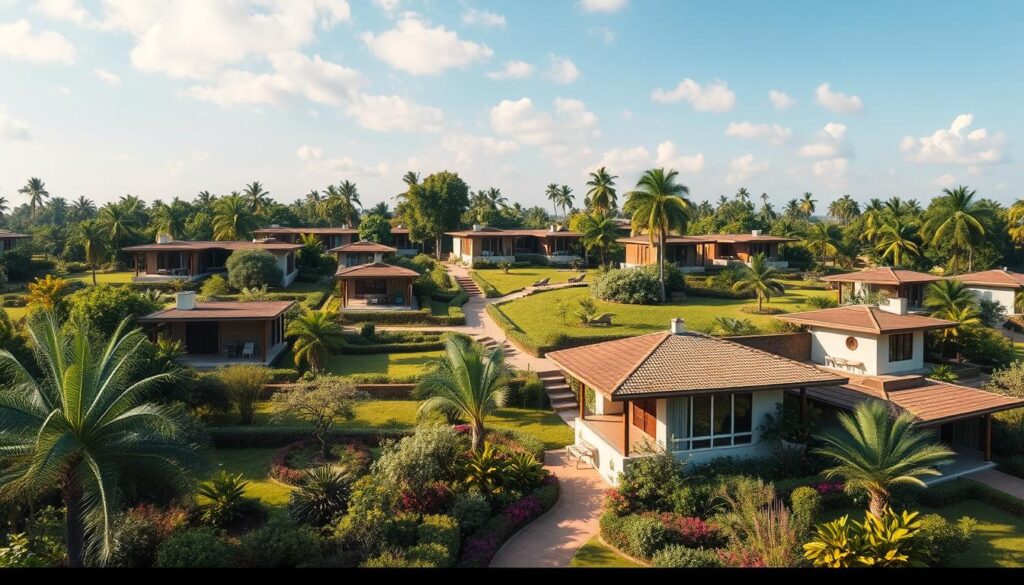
(165, 98)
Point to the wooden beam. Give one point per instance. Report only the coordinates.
(582, 398)
(626, 416)
(987, 421)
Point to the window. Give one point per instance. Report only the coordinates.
(645, 416)
(376, 286)
(901, 347)
(851, 343)
(703, 422)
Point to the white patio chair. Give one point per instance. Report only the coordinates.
(249, 350)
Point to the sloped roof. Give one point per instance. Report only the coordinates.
(364, 246)
(644, 239)
(185, 246)
(332, 231)
(865, 319)
(663, 364)
(8, 234)
(883, 275)
(997, 278)
(375, 270)
(221, 311)
(492, 231)
(709, 239)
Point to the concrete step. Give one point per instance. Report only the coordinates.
(557, 388)
(564, 405)
(559, 396)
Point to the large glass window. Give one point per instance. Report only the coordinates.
(901, 347)
(703, 422)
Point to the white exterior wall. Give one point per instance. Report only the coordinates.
(1003, 296)
(607, 460)
(282, 263)
(831, 343)
(905, 366)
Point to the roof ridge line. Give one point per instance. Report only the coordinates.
(665, 336)
(871, 314)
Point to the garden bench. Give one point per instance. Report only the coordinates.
(580, 451)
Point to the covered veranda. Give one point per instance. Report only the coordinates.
(376, 286)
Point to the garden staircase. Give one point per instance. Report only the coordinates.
(559, 392)
(489, 344)
(467, 284)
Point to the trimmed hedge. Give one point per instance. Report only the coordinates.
(485, 287)
(962, 489)
(455, 317)
(249, 437)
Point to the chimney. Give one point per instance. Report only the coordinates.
(275, 225)
(894, 306)
(185, 300)
(164, 239)
(677, 326)
(755, 233)
(552, 228)
(477, 227)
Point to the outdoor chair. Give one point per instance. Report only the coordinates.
(249, 351)
(581, 451)
(577, 279)
(542, 282)
(602, 319)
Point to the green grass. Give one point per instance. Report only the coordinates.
(392, 364)
(307, 287)
(537, 316)
(102, 277)
(520, 278)
(401, 414)
(999, 541)
(1018, 348)
(254, 465)
(16, 313)
(594, 554)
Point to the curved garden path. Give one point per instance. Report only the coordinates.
(552, 539)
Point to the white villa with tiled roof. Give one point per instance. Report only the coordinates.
(1000, 285)
(894, 282)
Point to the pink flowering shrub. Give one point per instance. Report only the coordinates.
(690, 531)
(523, 510)
(432, 498)
(740, 558)
(616, 502)
(828, 488)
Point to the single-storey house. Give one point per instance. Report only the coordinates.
(9, 240)
(697, 396)
(694, 253)
(556, 244)
(334, 237)
(361, 252)
(222, 333)
(376, 287)
(999, 285)
(169, 259)
(896, 283)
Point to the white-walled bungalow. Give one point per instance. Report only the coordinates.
(700, 397)
(9, 240)
(694, 253)
(999, 285)
(481, 243)
(174, 259)
(334, 237)
(361, 252)
(894, 282)
(376, 287)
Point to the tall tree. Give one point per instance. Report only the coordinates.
(83, 208)
(874, 218)
(92, 237)
(950, 299)
(658, 206)
(742, 195)
(565, 200)
(807, 202)
(955, 217)
(599, 233)
(896, 241)
(381, 209)
(4, 207)
(83, 425)
(349, 201)
(823, 241)
(205, 199)
(169, 219)
(436, 206)
(118, 223)
(759, 277)
(793, 209)
(602, 193)
(552, 193)
(256, 196)
(36, 191)
(316, 334)
(1015, 222)
(232, 218)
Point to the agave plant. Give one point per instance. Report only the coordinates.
(225, 499)
(322, 494)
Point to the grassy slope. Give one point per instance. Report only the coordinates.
(102, 277)
(537, 316)
(594, 554)
(520, 278)
(254, 465)
(393, 364)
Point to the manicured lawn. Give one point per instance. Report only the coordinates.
(520, 278)
(392, 364)
(254, 465)
(307, 287)
(103, 277)
(538, 317)
(594, 554)
(999, 541)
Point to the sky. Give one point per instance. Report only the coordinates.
(164, 98)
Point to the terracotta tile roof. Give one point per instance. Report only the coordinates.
(864, 319)
(643, 239)
(332, 231)
(375, 270)
(8, 234)
(662, 364)
(929, 401)
(364, 246)
(221, 311)
(997, 278)
(708, 239)
(884, 275)
(183, 246)
(747, 238)
(491, 232)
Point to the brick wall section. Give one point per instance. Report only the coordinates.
(795, 346)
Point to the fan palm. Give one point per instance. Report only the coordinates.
(469, 381)
(552, 193)
(896, 241)
(823, 241)
(117, 223)
(90, 235)
(602, 194)
(35, 188)
(232, 218)
(955, 218)
(599, 233)
(83, 424)
(807, 202)
(658, 206)
(759, 277)
(878, 450)
(256, 196)
(316, 334)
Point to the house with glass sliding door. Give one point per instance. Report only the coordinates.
(890, 282)
(554, 245)
(695, 253)
(334, 237)
(9, 240)
(169, 259)
(697, 396)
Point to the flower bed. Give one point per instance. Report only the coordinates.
(291, 462)
(480, 547)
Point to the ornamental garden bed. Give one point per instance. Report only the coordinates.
(291, 462)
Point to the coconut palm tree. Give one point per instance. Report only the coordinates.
(599, 233)
(4, 207)
(232, 218)
(742, 195)
(896, 241)
(1015, 221)
(951, 300)
(256, 196)
(83, 208)
(316, 334)
(844, 209)
(169, 219)
(823, 241)
(878, 449)
(759, 277)
(793, 209)
(36, 191)
(467, 380)
(381, 209)
(349, 202)
(874, 217)
(565, 200)
(658, 206)
(84, 424)
(552, 193)
(956, 218)
(134, 209)
(205, 199)
(495, 199)
(91, 236)
(117, 223)
(602, 193)
(807, 202)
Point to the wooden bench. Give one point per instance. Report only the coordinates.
(581, 451)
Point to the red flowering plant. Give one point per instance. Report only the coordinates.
(689, 531)
(742, 558)
(432, 498)
(523, 510)
(828, 488)
(615, 501)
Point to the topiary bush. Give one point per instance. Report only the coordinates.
(806, 505)
(198, 548)
(644, 535)
(280, 543)
(634, 286)
(253, 268)
(675, 556)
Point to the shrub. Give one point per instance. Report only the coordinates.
(940, 541)
(225, 502)
(634, 286)
(18, 263)
(393, 560)
(400, 530)
(252, 268)
(523, 472)
(946, 493)
(526, 390)
(442, 530)
(988, 346)
(238, 437)
(279, 543)
(648, 482)
(369, 509)
(675, 556)
(1008, 431)
(674, 281)
(139, 532)
(430, 455)
(806, 505)
(105, 306)
(485, 287)
(689, 531)
(480, 547)
(427, 499)
(644, 535)
(198, 548)
(215, 286)
(367, 330)
(821, 302)
(430, 554)
(471, 510)
(244, 385)
(321, 494)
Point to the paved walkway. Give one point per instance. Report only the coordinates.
(1003, 482)
(552, 539)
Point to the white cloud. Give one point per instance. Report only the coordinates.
(944, 180)
(771, 133)
(513, 69)
(604, 33)
(174, 168)
(19, 43)
(669, 157)
(196, 39)
(388, 6)
(603, 5)
(392, 113)
(66, 10)
(712, 97)
(565, 131)
(12, 129)
(833, 169)
(474, 17)
(235, 88)
(781, 100)
(63, 90)
(467, 147)
(624, 160)
(316, 162)
(744, 167)
(627, 114)
(417, 49)
(106, 76)
(830, 143)
(837, 101)
(957, 144)
(561, 69)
